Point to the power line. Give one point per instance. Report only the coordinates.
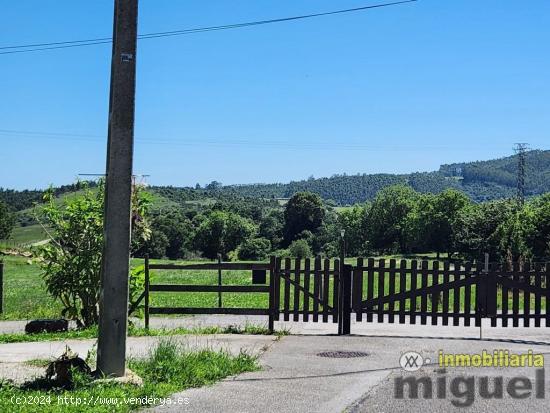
(42, 134)
(226, 142)
(27, 48)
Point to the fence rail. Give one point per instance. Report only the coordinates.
(230, 266)
(220, 289)
(209, 288)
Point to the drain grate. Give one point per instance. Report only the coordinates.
(343, 354)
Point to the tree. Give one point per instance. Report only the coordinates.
(72, 259)
(221, 232)
(389, 223)
(513, 235)
(7, 221)
(300, 249)
(172, 229)
(304, 211)
(540, 238)
(476, 228)
(354, 221)
(156, 246)
(271, 227)
(213, 186)
(436, 219)
(254, 249)
(326, 239)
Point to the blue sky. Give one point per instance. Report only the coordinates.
(398, 89)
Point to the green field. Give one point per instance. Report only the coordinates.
(23, 236)
(29, 234)
(25, 295)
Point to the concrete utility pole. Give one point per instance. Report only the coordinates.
(113, 304)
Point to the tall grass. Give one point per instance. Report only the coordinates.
(169, 368)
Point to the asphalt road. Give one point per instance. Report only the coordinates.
(465, 398)
(296, 379)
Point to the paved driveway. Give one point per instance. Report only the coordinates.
(466, 397)
(296, 379)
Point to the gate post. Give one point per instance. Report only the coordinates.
(1, 287)
(344, 305)
(272, 294)
(219, 280)
(481, 289)
(491, 289)
(147, 282)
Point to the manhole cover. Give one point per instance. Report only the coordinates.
(343, 354)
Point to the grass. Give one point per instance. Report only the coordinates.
(205, 277)
(163, 299)
(28, 338)
(38, 362)
(28, 235)
(92, 332)
(168, 369)
(26, 296)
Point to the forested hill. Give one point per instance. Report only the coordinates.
(19, 200)
(503, 172)
(482, 180)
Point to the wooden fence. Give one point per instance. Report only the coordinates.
(527, 286)
(419, 290)
(423, 292)
(220, 289)
(444, 293)
(307, 288)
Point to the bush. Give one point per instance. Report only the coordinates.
(254, 249)
(136, 286)
(300, 249)
(72, 259)
(281, 253)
